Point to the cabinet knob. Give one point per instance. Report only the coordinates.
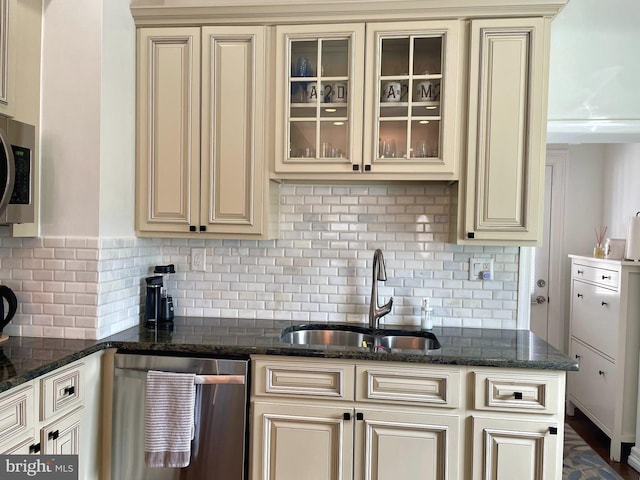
(604, 304)
(580, 295)
(517, 395)
(553, 430)
(578, 356)
(356, 168)
(359, 416)
(346, 416)
(70, 390)
(601, 372)
(367, 168)
(580, 272)
(471, 235)
(203, 228)
(54, 435)
(606, 277)
(192, 228)
(34, 448)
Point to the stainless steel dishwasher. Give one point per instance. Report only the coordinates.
(218, 450)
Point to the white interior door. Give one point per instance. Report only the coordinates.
(540, 266)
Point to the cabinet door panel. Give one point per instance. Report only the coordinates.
(410, 446)
(595, 316)
(168, 128)
(506, 130)
(313, 443)
(508, 449)
(62, 437)
(233, 89)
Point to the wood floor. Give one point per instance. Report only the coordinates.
(600, 443)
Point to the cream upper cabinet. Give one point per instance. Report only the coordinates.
(500, 198)
(7, 56)
(395, 117)
(200, 157)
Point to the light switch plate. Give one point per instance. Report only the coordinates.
(199, 259)
(481, 269)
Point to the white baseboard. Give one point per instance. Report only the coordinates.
(634, 458)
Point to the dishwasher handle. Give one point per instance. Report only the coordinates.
(220, 379)
(198, 379)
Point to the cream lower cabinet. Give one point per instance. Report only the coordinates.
(500, 197)
(335, 420)
(201, 99)
(56, 414)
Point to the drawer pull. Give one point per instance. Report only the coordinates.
(580, 295)
(553, 430)
(70, 390)
(34, 448)
(601, 372)
(359, 416)
(346, 416)
(604, 304)
(517, 395)
(54, 435)
(606, 277)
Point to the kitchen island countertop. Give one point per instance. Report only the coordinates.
(25, 358)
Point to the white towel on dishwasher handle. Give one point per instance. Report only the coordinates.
(169, 418)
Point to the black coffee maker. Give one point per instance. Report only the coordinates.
(159, 305)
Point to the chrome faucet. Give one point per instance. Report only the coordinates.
(379, 273)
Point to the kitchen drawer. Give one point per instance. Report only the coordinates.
(22, 447)
(307, 379)
(595, 316)
(602, 276)
(409, 385)
(591, 387)
(16, 413)
(516, 392)
(62, 391)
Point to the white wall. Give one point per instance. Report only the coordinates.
(621, 187)
(117, 136)
(88, 118)
(584, 198)
(70, 127)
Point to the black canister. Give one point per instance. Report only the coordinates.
(153, 301)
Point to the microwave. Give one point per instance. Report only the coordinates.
(17, 144)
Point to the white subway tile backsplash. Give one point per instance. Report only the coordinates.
(319, 270)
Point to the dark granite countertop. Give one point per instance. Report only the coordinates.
(25, 358)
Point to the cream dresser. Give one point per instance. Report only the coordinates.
(605, 340)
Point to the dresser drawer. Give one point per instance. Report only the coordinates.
(304, 379)
(595, 313)
(16, 413)
(603, 276)
(516, 392)
(408, 385)
(592, 387)
(61, 391)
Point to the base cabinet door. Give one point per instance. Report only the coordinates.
(408, 446)
(62, 437)
(508, 449)
(302, 442)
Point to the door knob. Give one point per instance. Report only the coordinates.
(540, 299)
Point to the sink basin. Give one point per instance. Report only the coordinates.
(410, 342)
(342, 338)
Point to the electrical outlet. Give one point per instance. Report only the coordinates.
(481, 269)
(199, 259)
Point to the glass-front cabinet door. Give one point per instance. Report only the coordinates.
(413, 95)
(319, 82)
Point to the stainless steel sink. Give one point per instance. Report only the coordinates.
(342, 338)
(382, 340)
(409, 342)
